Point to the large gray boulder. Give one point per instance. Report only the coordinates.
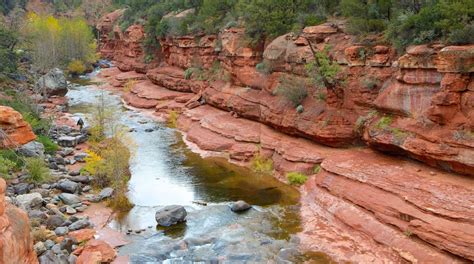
(32, 149)
(69, 198)
(29, 201)
(68, 141)
(52, 83)
(68, 186)
(171, 215)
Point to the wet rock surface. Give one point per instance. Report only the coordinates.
(240, 206)
(171, 215)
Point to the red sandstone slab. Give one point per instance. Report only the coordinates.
(294, 149)
(198, 113)
(169, 106)
(208, 140)
(443, 193)
(350, 234)
(148, 90)
(237, 128)
(406, 98)
(175, 72)
(109, 72)
(434, 205)
(139, 102)
(130, 75)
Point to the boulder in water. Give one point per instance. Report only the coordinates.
(171, 215)
(240, 206)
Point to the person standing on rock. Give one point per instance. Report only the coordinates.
(80, 123)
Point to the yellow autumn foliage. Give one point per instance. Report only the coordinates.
(59, 41)
(94, 163)
(76, 67)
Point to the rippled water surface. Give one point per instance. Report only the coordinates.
(164, 172)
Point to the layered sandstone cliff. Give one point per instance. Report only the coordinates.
(14, 131)
(362, 206)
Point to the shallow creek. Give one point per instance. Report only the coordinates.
(165, 172)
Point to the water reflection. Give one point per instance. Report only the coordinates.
(164, 172)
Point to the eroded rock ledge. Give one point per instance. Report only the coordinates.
(363, 206)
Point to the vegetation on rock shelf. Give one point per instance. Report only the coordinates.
(403, 22)
(37, 170)
(293, 89)
(261, 165)
(109, 154)
(296, 178)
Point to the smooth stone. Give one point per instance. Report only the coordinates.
(80, 156)
(54, 222)
(69, 198)
(39, 248)
(171, 215)
(61, 231)
(68, 186)
(67, 141)
(29, 201)
(74, 173)
(80, 224)
(70, 210)
(81, 179)
(240, 206)
(49, 243)
(22, 188)
(106, 193)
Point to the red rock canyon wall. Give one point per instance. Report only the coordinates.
(363, 206)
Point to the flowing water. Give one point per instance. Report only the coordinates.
(165, 172)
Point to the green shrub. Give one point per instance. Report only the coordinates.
(6, 167)
(293, 89)
(370, 83)
(384, 122)
(37, 170)
(296, 178)
(8, 57)
(49, 146)
(321, 96)
(323, 70)
(366, 16)
(362, 120)
(450, 21)
(261, 165)
(119, 202)
(463, 35)
(264, 67)
(12, 156)
(173, 119)
(316, 168)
